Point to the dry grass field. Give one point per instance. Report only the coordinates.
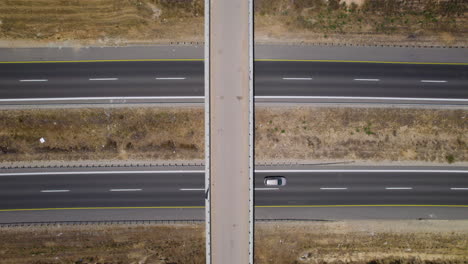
(106, 22)
(95, 134)
(282, 134)
(121, 22)
(369, 22)
(359, 134)
(354, 242)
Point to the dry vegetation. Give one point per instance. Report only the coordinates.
(119, 22)
(95, 134)
(282, 133)
(354, 134)
(371, 242)
(400, 22)
(107, 22)
(182, 244)
(359, 242)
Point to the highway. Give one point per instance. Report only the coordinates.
(272, 78)
(186, 189)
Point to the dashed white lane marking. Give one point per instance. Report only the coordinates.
(333, 188)
(367, 80)
(257, 189)
(103, 79)
(54, 191)
(459, 189)
(34, 80)
(433, 81)
(266, 189)
(398, 188)
(297, 79)
(171, 78)
(125, 190)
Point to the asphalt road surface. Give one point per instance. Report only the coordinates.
(182, 190)
(272, 78)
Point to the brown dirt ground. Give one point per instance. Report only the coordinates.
(359, 242)
(282, 133)
(121, 22)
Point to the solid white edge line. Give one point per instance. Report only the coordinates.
(297, 79)
(368, 80)
(363, 98)
(193, 189)
(99, 172)
(256, 97)
(363, 170)
(103, 79)
(433, 81)
(459, 189)
(398, 188)
(170, 78)
(333, 188)
(34, 80)
(101, 98)
(125, 190)
(203, 171)
(266, 189)
(53, 191)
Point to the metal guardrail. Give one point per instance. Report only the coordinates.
(107, 222)
(167, 164)
(143, 222)
(305, 43)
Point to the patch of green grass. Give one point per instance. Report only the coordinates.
(368, 130)
(450, 158)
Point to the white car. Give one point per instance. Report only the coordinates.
(275, 181)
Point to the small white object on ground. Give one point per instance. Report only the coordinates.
(42, 140)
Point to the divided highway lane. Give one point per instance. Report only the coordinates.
(186, 189)
(360, 79)
(101, 79)
(272, 78)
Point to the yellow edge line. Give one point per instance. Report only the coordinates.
(285, 60)
(259, 206)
